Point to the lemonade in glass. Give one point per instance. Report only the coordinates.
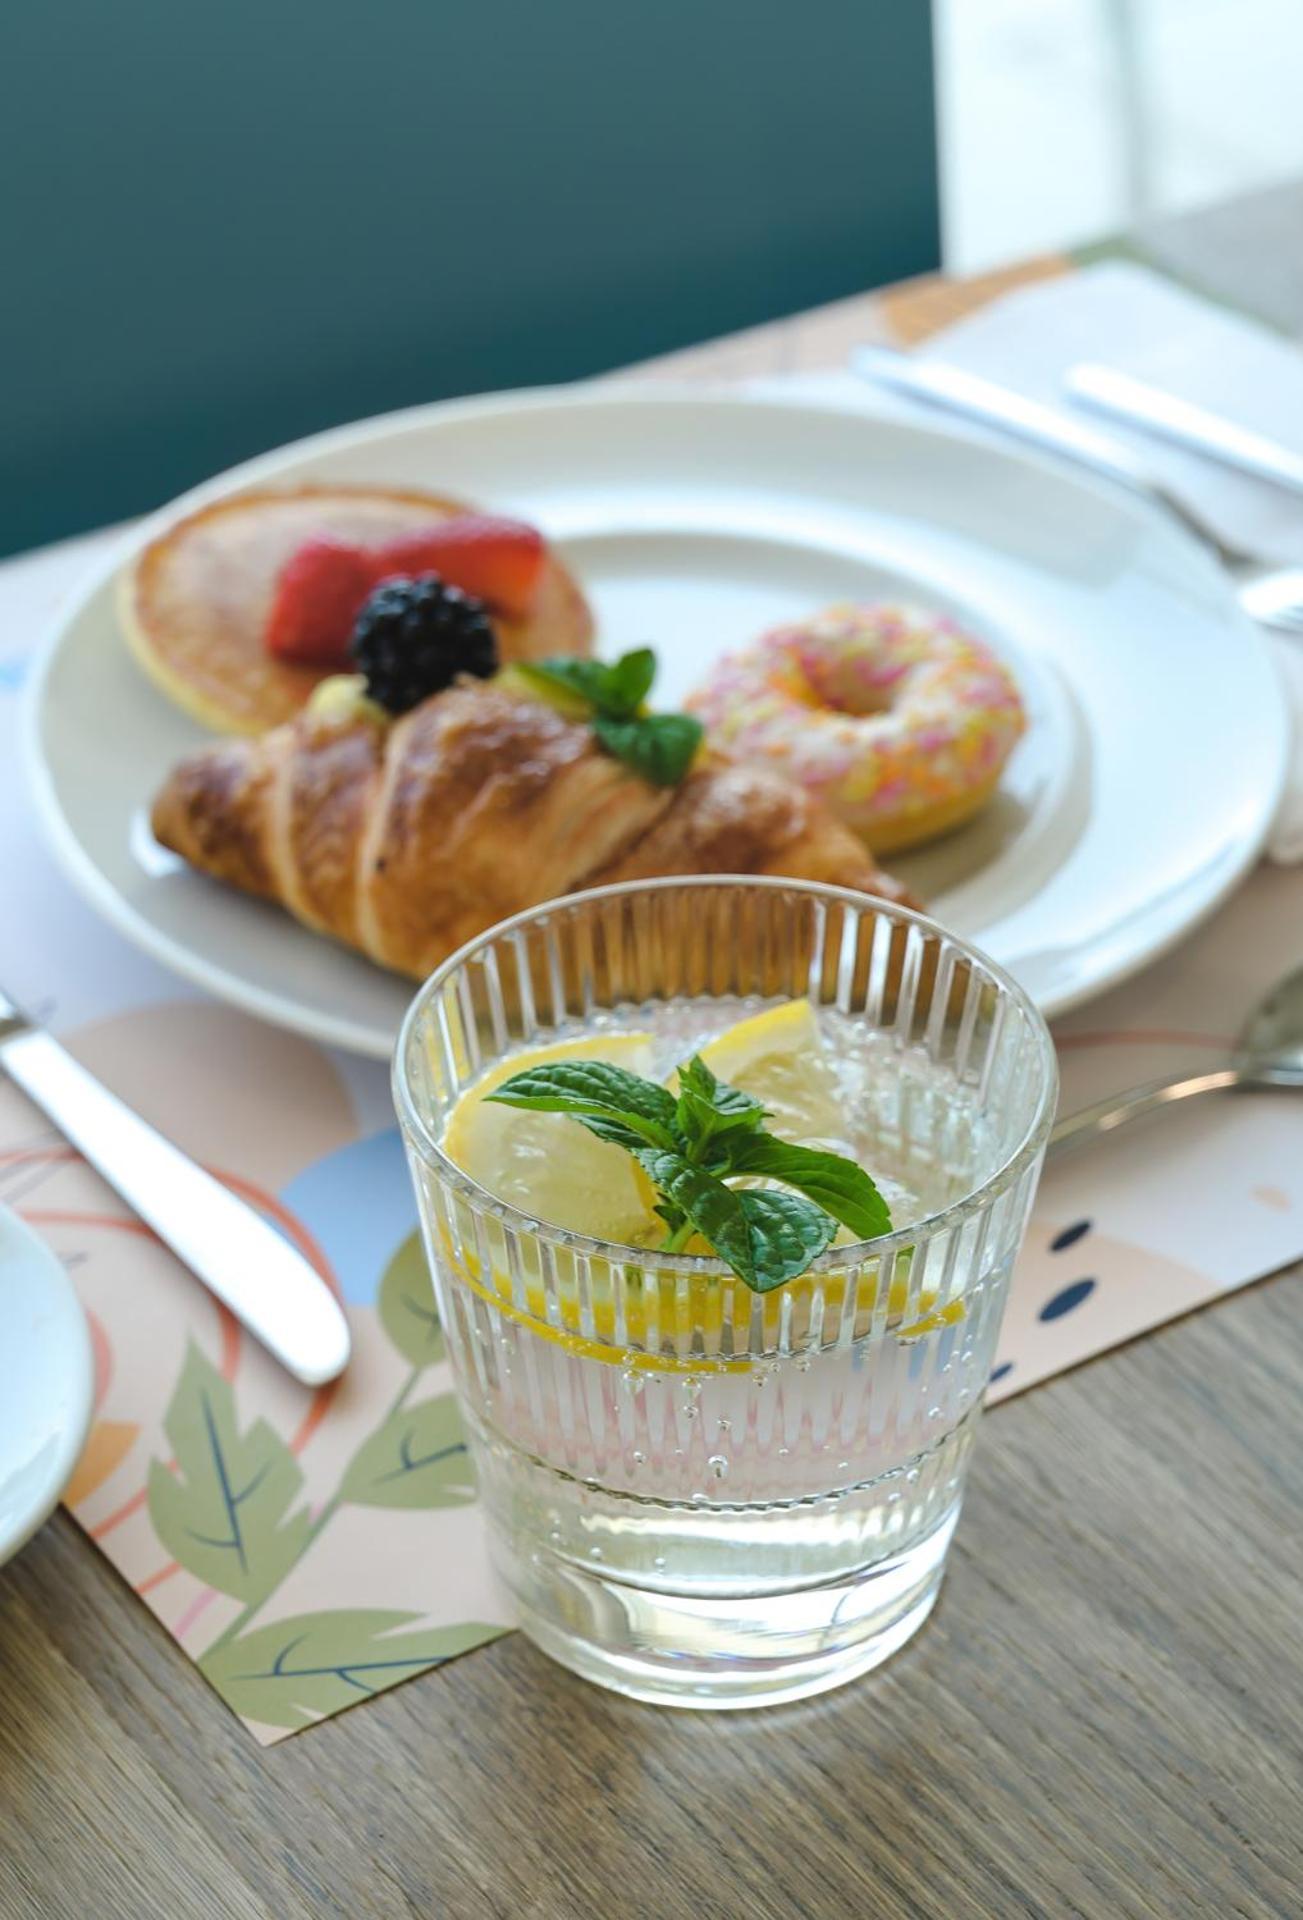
(723, 1481)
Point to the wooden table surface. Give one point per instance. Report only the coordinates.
(1104, 1717)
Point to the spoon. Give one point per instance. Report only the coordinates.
(1268, 1053)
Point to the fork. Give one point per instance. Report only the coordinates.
(1273, 596)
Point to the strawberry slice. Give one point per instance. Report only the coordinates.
(497, 560)
(318, 593)
(322, 587)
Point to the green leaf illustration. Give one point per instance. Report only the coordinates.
(224, 1511)
(301, 1669)
(418, 1458)
(407, 1310)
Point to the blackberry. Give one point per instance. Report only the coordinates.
(414, 636)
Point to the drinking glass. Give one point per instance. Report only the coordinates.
(696, 1493)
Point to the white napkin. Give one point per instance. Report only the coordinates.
(1136, 320)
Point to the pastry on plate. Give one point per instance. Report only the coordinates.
(898, 720)
(238, 610)
(405, 833)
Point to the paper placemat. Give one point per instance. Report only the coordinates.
(307, 1550)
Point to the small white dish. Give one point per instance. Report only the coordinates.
(46, 1382)
(1143, 791)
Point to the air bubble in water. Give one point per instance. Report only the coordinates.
(659, 1562)
(935, 1413)
(718, 1465)
(724, 1424)
(594, 1553)
(638, 1457)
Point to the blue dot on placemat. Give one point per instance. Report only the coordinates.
(1066, 1299)
(998, 1373)
(1069, 1236)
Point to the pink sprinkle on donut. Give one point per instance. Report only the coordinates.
(899, 719)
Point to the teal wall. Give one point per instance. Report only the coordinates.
(225, 225)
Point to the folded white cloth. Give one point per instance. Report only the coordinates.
(1136, 320)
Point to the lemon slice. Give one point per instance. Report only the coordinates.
(549, 1165)
(552, 1168)
(778, 1057)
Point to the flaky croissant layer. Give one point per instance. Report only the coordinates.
(407, 839)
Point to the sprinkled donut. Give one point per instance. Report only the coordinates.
(899, 720)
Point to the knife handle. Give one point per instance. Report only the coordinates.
(239, 1256)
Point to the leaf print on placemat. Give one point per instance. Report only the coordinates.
(418, 1458)
(223, 1512)
(298, 1670)
(407, 1310)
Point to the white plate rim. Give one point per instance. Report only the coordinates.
(359, 1038)
(74, 1336)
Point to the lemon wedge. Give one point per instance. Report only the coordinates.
(778, 1057)
(549, 1165)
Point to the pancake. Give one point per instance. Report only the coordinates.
(194, 602)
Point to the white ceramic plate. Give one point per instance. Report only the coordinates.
(1143, 790)
(46, 1382)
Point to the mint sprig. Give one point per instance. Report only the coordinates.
(691, 1145)
(659, 746)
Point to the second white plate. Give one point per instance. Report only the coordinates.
(1145, 786)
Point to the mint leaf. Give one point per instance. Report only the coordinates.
(706, 1107)
(659, 746)
(691, 1145)
(724, 1099)
(629, 1131)
(628, 683)
(616, 690)
(594, 1089)
(766, 1238)
(587, 678)
(840, 1187)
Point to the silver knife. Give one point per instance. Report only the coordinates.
(1270, 594)
(1134, 403)
(266, 1283)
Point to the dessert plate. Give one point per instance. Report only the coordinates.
(696, 517)
(46, 1382)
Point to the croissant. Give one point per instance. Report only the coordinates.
(407, 839)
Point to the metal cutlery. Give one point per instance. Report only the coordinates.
(266, 1283)
(1135, 403)
(1271, 595)
(1268, 1054)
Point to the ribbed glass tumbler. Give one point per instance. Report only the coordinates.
(696, 1493)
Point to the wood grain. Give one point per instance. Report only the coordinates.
(1103, 1719)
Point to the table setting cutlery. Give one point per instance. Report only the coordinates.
(1268, 1054)
(250, 1267)
(1271, 595)
(1121, 397)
